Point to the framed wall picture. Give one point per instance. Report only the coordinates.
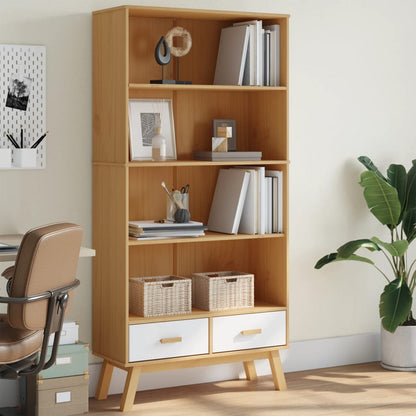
(232, 141)
(144, 116)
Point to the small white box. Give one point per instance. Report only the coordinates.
(24, 158)
(5, 158)
(69, 334)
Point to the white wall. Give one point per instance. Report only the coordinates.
(352, 89)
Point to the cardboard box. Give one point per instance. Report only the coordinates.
(69, 334)
(62, 396)
(71, 360)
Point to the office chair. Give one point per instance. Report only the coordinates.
(39, 288)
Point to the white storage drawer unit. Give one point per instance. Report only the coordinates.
(240, 332)
(168, 339)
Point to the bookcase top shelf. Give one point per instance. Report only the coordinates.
(195, 163)
(196, 14)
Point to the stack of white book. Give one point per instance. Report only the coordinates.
(249, 54)
(248, 200)
(158, 230)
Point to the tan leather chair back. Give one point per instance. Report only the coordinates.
(47, 259)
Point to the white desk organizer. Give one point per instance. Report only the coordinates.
(5, 158)
(24, 158)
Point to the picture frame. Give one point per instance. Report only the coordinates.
(232, 141)
(143, 116)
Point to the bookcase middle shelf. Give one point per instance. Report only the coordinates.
(201, 87)
(208, 237)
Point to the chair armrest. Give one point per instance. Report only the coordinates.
(40, 296)
(8, 273)
(27, 299)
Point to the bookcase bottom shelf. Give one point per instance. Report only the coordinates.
(133, 372)
(199, 313)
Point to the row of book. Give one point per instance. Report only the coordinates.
(249, 54)
(247, 200)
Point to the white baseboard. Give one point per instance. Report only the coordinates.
(302, 355)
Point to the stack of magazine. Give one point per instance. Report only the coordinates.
(159, 230)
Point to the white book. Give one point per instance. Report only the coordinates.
(269, 204)
(231, 58)
(255, 50)
(274, 54)
(228, 201)
(247, 76)
(266, 51)
(249, 216)
(279, 175)
(261, 197)
(274, 204)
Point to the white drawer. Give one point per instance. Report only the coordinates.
(240, 332)
(168, 339)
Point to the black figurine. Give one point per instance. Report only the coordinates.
(162, 58)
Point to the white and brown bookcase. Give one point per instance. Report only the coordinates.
(124, 39)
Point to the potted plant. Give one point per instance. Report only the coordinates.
(392, 200)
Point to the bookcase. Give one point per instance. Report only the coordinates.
(124, 39)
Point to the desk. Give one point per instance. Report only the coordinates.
(15, 239)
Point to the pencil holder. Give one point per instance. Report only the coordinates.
(24, 158)
(5, 158)
(171, 207)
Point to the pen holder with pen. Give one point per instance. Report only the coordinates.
(23, 155)
(24, 158)
(172, 207)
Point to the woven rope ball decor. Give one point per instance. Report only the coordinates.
(186, 44)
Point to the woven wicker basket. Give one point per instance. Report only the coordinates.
(161, 295)
(217, 291)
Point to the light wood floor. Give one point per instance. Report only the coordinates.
(362, 389)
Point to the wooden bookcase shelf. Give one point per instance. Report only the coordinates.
(124, 39)
(208, 237)
(196, 313)
(192, 87)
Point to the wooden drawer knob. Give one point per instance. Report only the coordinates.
(170, 340)
(251, 331)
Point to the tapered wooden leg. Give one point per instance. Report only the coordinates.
(104, 381)
(277, 371)
(130, 389)
(250, 369)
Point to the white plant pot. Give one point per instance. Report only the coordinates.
(398, 350)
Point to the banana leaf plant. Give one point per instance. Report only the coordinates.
(392, 200)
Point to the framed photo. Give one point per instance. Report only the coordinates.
(232, 141)
(144, 117)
